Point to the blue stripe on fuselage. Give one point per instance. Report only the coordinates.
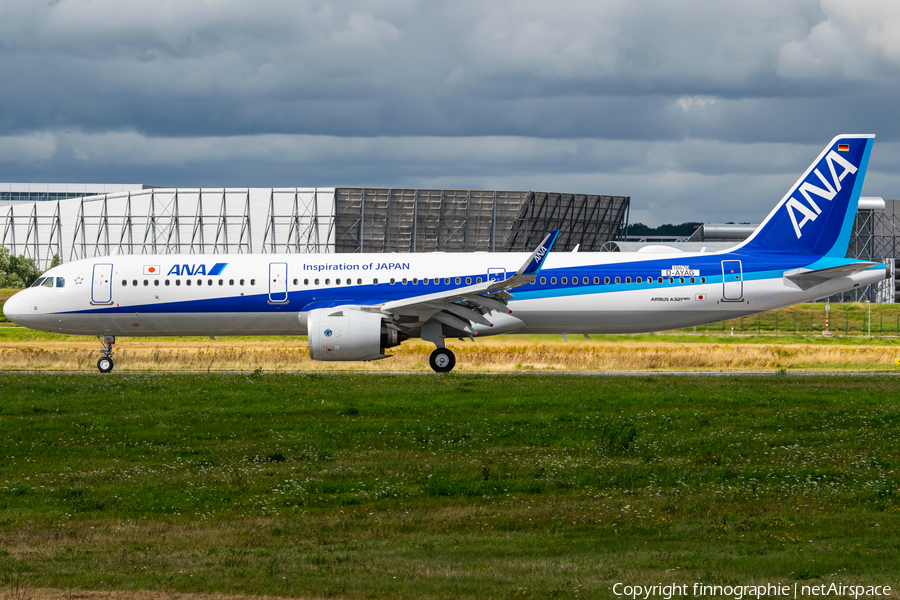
(756, 267)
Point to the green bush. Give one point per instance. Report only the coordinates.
(17, 271)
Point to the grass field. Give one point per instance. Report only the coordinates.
(26, 350)
(485, 356)
(459, 486)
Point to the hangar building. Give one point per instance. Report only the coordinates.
(42, 221)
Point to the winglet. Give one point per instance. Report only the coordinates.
(536, 260)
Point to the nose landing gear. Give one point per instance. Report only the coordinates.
(105, 364)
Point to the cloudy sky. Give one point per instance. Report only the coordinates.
(697, 110)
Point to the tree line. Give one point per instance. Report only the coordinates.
(19, 271)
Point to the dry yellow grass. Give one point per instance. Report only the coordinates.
(489, 355)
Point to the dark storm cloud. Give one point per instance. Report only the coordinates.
(644, 99)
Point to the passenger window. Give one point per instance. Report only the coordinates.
(48, 282)
(606, 280)
(209, 282)
(628, 280)
(167, 282)
(156, 282)
(639, 280)
(681, 280)
(134, 282)
(337, 281)
(671, 280)
(222, 282)
(479, 280)
(659, 280)
(359, 281)
(375, 281)
(703, 280)
(231, 282)
(565, 280)
(468, 280)
(446, 281)
(242, 281)
(177, 282)
(618, 280)
(553, 281)
(404, 281)
(393, 281)
(584, 281)
(543, 281)
(60, 282)
(146, 283)
(692, 280)
(305, 282)
(649, 281)
(426, 281)
(457, 281)
(596, 280)
(188, 282)
(124, 281)
(253, 281)
(415, 281)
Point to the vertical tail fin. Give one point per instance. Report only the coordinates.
(817, 214)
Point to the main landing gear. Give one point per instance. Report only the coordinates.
(442, 360)
(105, 364)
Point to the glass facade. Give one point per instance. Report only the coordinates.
(40, 196)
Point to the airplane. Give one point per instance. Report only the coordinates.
(354, 307)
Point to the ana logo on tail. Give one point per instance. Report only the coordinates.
(810, 210)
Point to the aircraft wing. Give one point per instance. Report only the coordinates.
(461, 307)
(807, 278)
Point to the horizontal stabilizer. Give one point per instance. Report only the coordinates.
(806, 278)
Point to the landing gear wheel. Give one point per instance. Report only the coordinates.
(105, 364)
(442, 360)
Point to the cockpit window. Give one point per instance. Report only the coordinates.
(60, 282)
(38, 282)
(48, 282)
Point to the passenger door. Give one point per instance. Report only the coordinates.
(278, 282)
(101, 286)
(732, 280)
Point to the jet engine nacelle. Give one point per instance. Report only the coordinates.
(343, 333)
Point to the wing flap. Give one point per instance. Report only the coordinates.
(463, 307)
(493, 291)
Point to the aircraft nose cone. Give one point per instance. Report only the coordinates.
(12, 307)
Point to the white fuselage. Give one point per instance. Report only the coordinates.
(220, 295)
